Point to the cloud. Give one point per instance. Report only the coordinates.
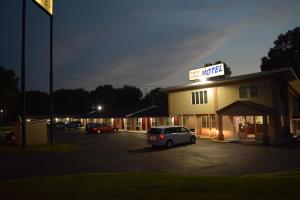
(144, 42)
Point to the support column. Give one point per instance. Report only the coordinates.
(195, 124)
(220, 123)
(266, 139)
(181, 119)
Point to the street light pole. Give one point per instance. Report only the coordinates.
(23, 63)
(51, 82)
(1, 112)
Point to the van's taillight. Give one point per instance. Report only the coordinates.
(161, 137)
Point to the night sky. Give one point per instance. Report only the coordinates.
(145, 43)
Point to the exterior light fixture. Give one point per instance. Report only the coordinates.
(202, 78)
(99, 108)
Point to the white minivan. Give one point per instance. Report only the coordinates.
(169, 136)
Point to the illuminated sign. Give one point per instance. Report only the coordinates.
(47, 5)
(207, 72)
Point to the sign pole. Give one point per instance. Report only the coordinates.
(47, 6)
(23, 64)
(51, 82)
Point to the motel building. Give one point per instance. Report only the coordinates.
(260, 107)
(138, 120)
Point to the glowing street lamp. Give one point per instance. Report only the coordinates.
(1, 112)
(99, 108)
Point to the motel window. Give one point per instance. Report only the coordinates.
(193, 98)
(184, 121)
(253, 91)
(154, 122)
(169, 121)
(213, 122)
(248, 91)
(205, 96)
(199, 97)
(138, 122)
(243, 92)
(205, 123)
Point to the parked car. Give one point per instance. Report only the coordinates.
(10, 135)
(89, 126)
(102, 128)
(169, 136)
(73, 125)
(60, 125)
(68, 125)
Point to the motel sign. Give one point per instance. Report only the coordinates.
(206, 72)
(47, 5)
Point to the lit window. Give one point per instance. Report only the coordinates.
(169, 121)
(154, 122)
(204, 122)
(212, 122)
(184, 121)
(138, 122)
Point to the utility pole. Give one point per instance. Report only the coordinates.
(23, 75)
(51, 82)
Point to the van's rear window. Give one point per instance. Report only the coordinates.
(155, 131)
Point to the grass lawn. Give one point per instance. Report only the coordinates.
(285, 185)
(8, 147)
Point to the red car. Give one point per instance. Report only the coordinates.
(102, 128)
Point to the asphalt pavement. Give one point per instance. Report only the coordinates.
(128, 152)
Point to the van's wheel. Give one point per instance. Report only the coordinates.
(99, 131)
(169, 144)
(193, 140)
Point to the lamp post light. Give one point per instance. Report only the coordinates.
(99, 108)
(1, 112)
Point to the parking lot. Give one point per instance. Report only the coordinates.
(128, 152)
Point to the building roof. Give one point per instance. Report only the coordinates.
(108, 114)
(285, 73)
(243, 108)
(152, 111)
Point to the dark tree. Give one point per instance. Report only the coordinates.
(155, 97)
(37, 103)
(130, 97)
(285, 53)
(105, 95)
(126, 97)
(8, 89)
(67, 101)
(227, 70)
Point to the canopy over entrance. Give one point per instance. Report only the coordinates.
(244, 108)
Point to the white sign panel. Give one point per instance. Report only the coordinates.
(207, 72)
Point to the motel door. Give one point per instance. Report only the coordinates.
(143, 124)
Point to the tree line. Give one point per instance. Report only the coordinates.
(73, 101)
